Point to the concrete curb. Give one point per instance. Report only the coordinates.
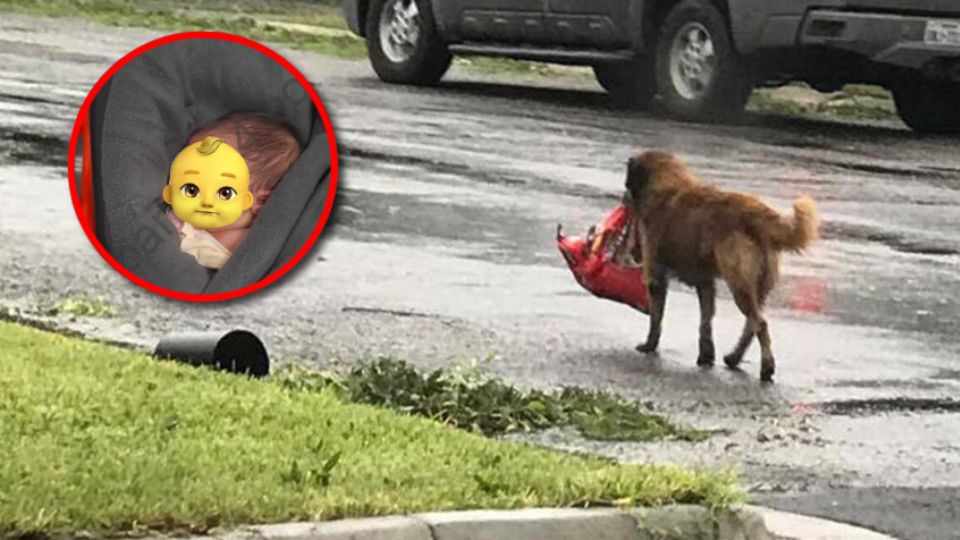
(785, 526)
(534, 524)
(699, 523)
(677, 522)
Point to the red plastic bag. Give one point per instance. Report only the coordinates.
(596, 261)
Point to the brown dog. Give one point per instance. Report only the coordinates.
(697, 233)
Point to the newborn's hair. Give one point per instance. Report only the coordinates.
(268, 146)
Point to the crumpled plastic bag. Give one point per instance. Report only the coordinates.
(603, 261)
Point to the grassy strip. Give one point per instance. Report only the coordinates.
(855, 102)
(314, 26)
(469, 398)
(298, 24)
(82, 306)
(104, 440)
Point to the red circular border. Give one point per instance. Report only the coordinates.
(88, 227)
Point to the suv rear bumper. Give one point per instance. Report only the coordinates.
(895, 40)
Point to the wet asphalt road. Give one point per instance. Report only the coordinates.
(442, 250)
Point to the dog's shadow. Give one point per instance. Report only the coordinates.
(656, 364)
(670, 375)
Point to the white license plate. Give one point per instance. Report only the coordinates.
(942, 33)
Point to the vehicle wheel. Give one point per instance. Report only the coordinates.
(631, 85)
(928, 106)
(403, 44)
(699, 74)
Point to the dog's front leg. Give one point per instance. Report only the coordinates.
(657, 293)
(707, 294)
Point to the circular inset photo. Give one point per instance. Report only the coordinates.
(203, 166)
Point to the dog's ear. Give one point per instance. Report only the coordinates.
(637, 177)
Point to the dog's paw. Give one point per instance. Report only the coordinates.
(733, 361)
(766, 371)
(708, 354)
(647, 348)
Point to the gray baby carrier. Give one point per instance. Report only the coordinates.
(143, 117)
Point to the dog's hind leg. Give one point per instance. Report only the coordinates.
(735, 357)
(744, 266)
(748, 302)
(767, 364)
(707, 295)
(769, 277)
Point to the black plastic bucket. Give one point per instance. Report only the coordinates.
(236, 351)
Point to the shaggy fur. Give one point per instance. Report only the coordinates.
(697, 233)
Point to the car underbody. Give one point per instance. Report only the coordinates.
(700, 57)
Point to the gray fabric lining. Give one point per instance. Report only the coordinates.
(155, 103)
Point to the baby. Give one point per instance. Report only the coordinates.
(269, 149)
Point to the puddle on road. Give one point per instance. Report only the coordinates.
(29, 99)
(889, 405)
(358, 154)
(50, 53)
(531, 182)
(896, 240)
(500, 236)
(29, 148)
(928, 384)
(941, 177)
(487, 215)
(947, 374)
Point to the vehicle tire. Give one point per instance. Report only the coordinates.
(631, 85)
(928, 106)
(699, 73)
(403, 44)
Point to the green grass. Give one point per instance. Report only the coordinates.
(859, 102)
(470, 398)
(867, 90)
(104, 440)
(314, 26)
(82, 306)
(259, 20)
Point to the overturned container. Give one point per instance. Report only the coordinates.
(236, 351)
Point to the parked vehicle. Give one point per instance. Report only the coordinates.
(701, 57)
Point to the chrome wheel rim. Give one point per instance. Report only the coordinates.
(693, 61)
(399, 29)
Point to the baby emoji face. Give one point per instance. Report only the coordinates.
(209, 184)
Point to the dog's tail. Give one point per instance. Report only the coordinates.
(797, 235)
